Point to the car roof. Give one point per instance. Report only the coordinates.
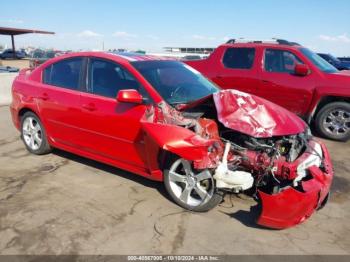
(265, 45)
(118, 56)
(133, 57)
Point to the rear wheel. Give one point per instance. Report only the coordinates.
(192, 190)
(333, 121)
(33, 134)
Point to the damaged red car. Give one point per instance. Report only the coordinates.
(163, 120)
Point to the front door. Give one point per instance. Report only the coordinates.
(111, 129)
(279, 84)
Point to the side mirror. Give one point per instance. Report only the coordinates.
(301, 70)
(129, 96)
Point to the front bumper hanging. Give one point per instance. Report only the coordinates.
(292, 205)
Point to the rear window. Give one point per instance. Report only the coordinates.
(239, 58)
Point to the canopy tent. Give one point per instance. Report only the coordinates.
(17, 31)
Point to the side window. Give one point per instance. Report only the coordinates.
(239, 58)
(106, 78)
(65, 73)
(280, 61)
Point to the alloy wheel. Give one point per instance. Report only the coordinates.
(193, 189)
(337, 122)
(32, 133)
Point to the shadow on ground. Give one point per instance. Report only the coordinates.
(113, 170)
(247, 218)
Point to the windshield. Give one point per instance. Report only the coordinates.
(318, 61)
(176, 82)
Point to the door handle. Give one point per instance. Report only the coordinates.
(266, 81)
(44, 97)
(89, 107)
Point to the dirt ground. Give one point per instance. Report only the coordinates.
(23, 63)
(64, 204)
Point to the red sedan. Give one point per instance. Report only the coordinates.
(163, 120)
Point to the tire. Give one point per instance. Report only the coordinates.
(33, 134)
(190, 190)
(333, 121)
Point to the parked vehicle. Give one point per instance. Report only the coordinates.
(345, 61)
(8, 54)
(163, 120)
(8, 69)
(338, 64)
(287, 74)
(40, 56)
(25, 53)
(191, 57)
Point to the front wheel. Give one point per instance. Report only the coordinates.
(333, 121)
(190, 189)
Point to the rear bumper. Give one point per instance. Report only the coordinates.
(293, 206)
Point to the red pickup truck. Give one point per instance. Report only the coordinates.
(287, 74)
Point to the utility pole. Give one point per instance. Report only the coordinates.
(13, 47)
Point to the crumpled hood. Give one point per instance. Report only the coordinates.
(255, 116)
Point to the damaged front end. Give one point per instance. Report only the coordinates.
(291, 204)
(249, 144)
(292, 176)
(186, 135)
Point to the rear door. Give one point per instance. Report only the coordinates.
(58, 100)
(111, 129)
(238, 69)
(280, 85)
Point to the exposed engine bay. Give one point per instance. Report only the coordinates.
(249, 151)
(241, 161)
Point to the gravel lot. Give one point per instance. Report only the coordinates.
(64, 204)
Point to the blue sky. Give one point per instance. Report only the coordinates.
(140, 24)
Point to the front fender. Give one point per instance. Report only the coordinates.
(178, 140)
